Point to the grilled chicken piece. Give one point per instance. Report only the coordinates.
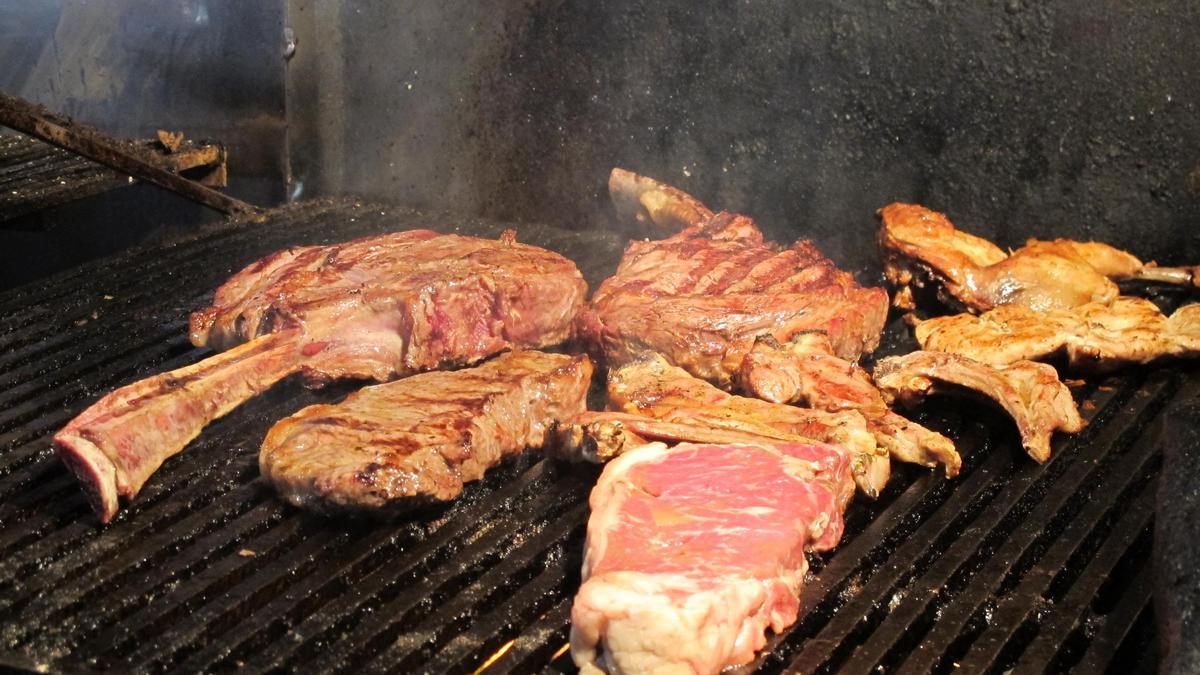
(1095, 337)
(657, 401)
(1030, 392)
(373, 308)
(1043, 275)
(694, 552)
(806, 371)
(420, 439)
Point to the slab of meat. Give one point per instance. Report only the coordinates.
(1030, 392)
(784, 325)
(374, 308)
(658, 401)
(705, 295)
(420, 439)
(694, 551)
(1095, 337)
(919, 244)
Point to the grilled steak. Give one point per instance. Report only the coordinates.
(373, 308)
(422, 438)
(1030, 392)
(693, 552)
(784, 325)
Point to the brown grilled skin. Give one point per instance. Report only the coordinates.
(371, 308)
(420, 439)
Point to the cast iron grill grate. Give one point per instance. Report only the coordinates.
(35, 176)
(1009, 566)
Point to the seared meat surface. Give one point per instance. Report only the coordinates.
(375, 308)
(719, 302)
(1043, 275)
(420, 439)
(694, 551)
(1095, 337)
(654, 400)
(705, 295)
(1030, 392)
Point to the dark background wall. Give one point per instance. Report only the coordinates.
(1017, 117)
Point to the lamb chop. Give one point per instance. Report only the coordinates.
(919, 243)
(718, 301)
(373, 308)
(420, 439)
(653, 400)
(1095, 337)
(1030, 392)
(685, 569)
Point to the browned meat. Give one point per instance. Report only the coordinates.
(373, 308)
(1059, 274)
(1030, 392)
(1094, 337)
(420, 439)
(704, 296)
(806, 371)
(655, 400)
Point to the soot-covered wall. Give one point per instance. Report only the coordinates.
(1017, 117)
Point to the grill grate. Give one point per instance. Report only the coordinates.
(1009, 566)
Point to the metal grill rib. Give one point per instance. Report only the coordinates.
(1009, 565)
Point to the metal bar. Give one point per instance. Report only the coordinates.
(91, 143)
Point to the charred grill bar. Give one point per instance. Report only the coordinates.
(1009, 565)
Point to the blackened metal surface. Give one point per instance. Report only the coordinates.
(122, 155)
(1176, 547)
(1012, 565)
(1069, 117)
(35, 176)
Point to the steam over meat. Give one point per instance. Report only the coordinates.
(371, 308)
(422, 438)
(686, 566)
(1030, 392)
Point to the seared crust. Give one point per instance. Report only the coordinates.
(420, 439)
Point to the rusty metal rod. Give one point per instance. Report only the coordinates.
(97, 146)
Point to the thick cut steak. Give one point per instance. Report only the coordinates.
(422, 438)
(694, 551)
(375, 308)
(715, 299)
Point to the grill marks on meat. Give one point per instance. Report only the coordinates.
(654, 400)
(703, 297)
(420, 439)
(694, 551)
(1043, 275)
(726, 306)
(371, 308)
(1094, 337)
(1030, 392)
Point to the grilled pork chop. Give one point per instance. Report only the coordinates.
(420, 439)
(718, 301)
(694, 551)
(919, 243)
(1030, 392)
(373, 308)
